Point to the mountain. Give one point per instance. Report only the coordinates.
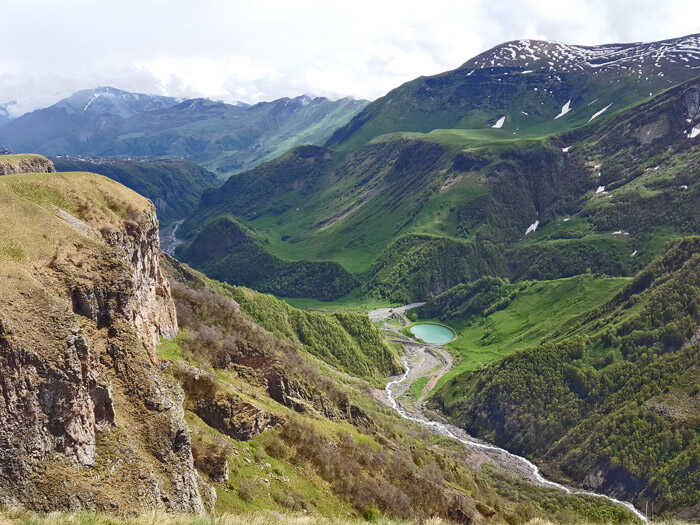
(607, 397)
(225, 138)
(528, 88)
(413, 213)
(174, 186)
(134, 385)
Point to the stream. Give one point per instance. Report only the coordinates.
(396, 387)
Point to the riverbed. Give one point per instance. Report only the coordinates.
(415, 356)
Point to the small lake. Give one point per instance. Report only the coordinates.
(433, 333)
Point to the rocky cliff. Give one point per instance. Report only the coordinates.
(89, 420)
(25, 163)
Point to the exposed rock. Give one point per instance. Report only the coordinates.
(615, 481)
(25, 164)
(299, 396)
(79, 387)
(233, 416)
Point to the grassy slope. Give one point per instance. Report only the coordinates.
(226, 249)
(613, 391)
(345, 340)
(393, 209)
(28, 211)
(537, 309)
(175, 186)
(335, 467)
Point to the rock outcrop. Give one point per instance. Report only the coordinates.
(25, 163)
(88, 418)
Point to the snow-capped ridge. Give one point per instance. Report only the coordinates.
(531, 55)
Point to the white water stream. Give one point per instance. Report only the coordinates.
(443, 429)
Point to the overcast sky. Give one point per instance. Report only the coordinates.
(254, 50)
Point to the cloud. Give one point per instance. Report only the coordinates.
(251, 51)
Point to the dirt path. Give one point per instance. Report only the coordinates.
(381, 314)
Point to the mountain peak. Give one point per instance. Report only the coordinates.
(643, 57)
(107, 100)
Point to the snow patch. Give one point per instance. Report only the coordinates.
(634, 253)
(566, 149)
(499, 123)
(566, 219)
(564, 110)
(599, 113)
(94, 97)
(694, 132)
(532, 228)
(600, 189)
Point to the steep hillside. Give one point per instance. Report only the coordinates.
(174, 186)
(275, 428)
(126, 392)
(89, 421)
(415, 213)
(25, 163)
(609, 399)
(225, 138)
(227, 250)
(528, 88)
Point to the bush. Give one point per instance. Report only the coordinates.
(372, 514)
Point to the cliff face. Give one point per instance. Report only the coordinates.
(25, 163)
(88, 419)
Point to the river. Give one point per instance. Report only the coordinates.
(397, 386)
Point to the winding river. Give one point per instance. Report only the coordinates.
(397, 386)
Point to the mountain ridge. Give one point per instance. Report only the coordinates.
(225, 138)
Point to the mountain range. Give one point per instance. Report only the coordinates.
(406, 185)
(540, 203)
(225, 138)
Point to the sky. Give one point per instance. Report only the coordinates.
(253, 50)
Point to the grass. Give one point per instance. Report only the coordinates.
(159, 517)
(417, 387)
(31, 230)
(534, 313)
(457, 139)
(355, 301)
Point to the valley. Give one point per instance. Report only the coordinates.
(475, 299)
(421, 361)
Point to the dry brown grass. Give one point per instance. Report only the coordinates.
(33, 235)
(18, 517)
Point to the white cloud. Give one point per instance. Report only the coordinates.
(241, 50)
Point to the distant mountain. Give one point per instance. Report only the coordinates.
(528, 88)
(108, 101)
(224, 137)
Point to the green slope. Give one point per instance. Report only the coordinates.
(494, 318)
(295, 435)
(609, 399)
(412, 214)
(174, 186)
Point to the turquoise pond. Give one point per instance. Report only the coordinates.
(433, 333)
